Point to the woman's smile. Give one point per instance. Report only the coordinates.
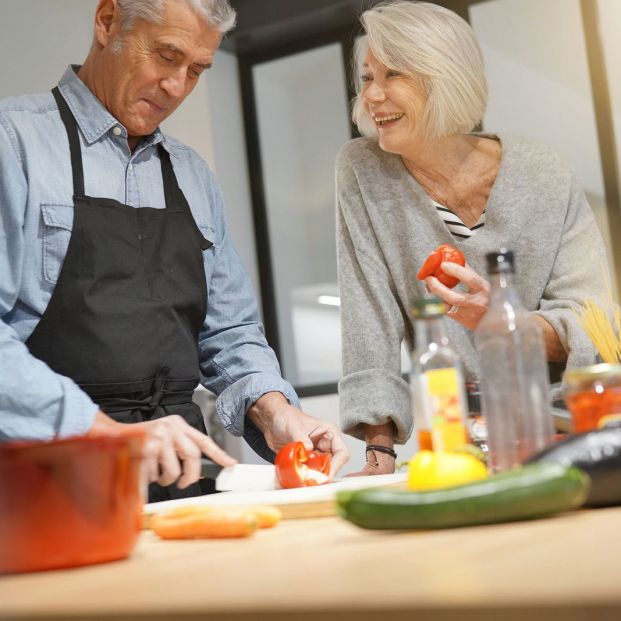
(384, 121)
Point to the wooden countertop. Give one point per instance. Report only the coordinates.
(563, 568)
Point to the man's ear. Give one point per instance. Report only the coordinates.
(107, 21)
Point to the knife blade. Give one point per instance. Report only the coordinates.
(240, 477)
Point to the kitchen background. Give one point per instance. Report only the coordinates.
(271, 114)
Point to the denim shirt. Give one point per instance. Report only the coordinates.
(36, 217)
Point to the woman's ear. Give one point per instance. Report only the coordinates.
(107, 22)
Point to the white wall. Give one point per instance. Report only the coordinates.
(38, 39)
(536, 65)
(610, 31)
(303, 121)
(229, 155)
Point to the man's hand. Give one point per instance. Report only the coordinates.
(173, 449)
(282, 423)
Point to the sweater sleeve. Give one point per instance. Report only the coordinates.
(579, 272)
(371, 390)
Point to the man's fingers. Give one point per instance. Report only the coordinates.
(170, 468)
(330, 440)
(190, 456)
(339, 459)
(150, 457)
(175, 448)
(208, 447)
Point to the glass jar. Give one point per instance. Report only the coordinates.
(593, 396)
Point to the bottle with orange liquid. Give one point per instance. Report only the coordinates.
(436, 379)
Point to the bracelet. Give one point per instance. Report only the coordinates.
(381, 449)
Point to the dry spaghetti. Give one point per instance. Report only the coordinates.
(603, 330)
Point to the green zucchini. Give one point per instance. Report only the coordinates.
(522, 493)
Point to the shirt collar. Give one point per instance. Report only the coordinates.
(90, 114)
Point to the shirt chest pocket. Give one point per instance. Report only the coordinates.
(57, 223)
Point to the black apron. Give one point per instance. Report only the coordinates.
(125, 315)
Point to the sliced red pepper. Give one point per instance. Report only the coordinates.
(432, 266)
(297, 467)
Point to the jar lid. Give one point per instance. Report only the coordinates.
(581, 376)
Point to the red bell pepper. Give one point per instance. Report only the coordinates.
(432, 266)
(297, 467)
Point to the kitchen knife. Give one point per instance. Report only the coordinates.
(240, 477)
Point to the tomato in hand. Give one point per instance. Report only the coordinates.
(297, 467)
(432, 266)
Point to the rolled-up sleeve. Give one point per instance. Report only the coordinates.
(236, 361)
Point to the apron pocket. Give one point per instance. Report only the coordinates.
(57, 227)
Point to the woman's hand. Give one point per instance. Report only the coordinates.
(466, 307)
(377, 463)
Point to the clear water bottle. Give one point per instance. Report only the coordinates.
(514, 371)
(436, 380)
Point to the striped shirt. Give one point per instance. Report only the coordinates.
(454, 224)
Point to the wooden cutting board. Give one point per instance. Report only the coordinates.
(301, 502)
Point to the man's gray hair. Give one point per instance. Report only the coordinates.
(218, 13)
(434, 45)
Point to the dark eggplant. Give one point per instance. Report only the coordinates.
(598, 453)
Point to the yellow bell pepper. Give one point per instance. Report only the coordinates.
(434, 470)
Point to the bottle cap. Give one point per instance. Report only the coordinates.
(428, 306)
(500, 262)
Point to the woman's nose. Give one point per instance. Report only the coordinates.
(375, 92)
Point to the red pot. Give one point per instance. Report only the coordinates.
(69, 502)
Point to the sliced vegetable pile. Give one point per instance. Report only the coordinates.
(433, 263)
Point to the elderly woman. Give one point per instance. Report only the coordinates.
(418, 179)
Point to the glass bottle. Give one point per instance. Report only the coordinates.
(436, 381)
(514, 371)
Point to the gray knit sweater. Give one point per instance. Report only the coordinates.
(386, 227)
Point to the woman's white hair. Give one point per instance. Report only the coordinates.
(218, 13)
(434, 45)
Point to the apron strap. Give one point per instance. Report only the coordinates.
(172, 191)
(74, 142)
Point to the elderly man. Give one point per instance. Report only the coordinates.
(119, 285)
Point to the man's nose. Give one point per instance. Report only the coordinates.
(174, 84)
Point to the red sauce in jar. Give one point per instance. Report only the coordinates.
(594, 396)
